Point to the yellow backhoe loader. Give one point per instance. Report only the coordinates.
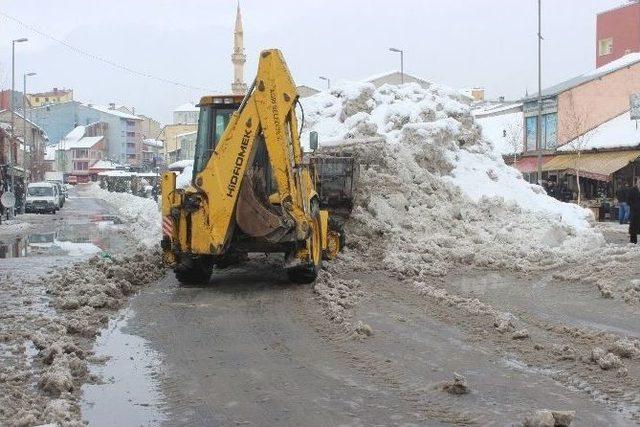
(252, 189)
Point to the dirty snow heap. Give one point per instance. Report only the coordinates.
(432, 193)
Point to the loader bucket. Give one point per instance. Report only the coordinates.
(254, 214)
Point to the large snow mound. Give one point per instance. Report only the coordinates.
(432, 192)
(142, 215)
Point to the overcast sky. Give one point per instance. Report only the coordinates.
(461, 43)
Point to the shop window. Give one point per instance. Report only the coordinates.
(549, 131)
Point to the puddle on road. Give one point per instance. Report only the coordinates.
(76, 236)
(130, 395)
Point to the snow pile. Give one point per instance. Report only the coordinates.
(14, 226)
(432, 193)
(77, 249)
(183, 179)
(47, 389)
(142, 214)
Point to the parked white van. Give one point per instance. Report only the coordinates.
(42, 197)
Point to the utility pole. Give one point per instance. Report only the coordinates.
(393, 49)
(24, 136)
(539, 117)
(12, 160)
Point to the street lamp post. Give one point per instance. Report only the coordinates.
(539, 117)
(393, 49)
(24, 134)
(13, 161)
(328, 80)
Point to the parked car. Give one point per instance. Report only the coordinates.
(42, 197)
(62, 192)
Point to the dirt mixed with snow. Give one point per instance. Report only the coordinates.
(51, 350)
(434, 197)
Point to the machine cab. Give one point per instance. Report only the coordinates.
(215, 113)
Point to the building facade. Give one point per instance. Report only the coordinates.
(151, 152)
(123, 130)
(32, 144)
(617, 33)
(169, 136)
(186, 114)
(575, 106)
(55, 96)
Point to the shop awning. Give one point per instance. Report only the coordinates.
(530, 164)
(599, 166)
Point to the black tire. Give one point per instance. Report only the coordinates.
(308, 273)
(196, 272)
(230, 260)
(303, 275)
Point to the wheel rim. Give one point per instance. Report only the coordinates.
(333, 244)
(316, 246)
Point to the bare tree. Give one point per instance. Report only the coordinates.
(515, 139)
(577, 132)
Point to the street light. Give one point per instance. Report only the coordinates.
(539, 115)
(328, 80)
(393, 49)
(24, 133)
(12, 161)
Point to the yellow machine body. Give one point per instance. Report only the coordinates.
(226, 210)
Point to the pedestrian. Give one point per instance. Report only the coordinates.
(623, 203)
(633, 199)
(552, 190)
(154, 192)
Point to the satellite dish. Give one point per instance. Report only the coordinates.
(8, 200)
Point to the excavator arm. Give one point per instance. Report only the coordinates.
(267, 111)
(205, 216)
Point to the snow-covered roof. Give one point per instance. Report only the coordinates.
(76, 134)
(407, 77)
(189, 106)
(28, 121)
(619, 132)
(180, 164)
(153, 142)
(626, 61)
(84, 142)
(186, 133)
(116, 173)
(107, 110)
(495, 108)
(105, 164)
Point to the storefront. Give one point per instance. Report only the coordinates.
(600, 174)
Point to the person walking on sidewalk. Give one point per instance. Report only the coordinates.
(623, 203)
(634, 216)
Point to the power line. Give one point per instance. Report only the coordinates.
(102, 59)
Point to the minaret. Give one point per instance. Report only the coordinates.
(238, 87)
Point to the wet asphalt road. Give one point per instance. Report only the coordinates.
(251, 349)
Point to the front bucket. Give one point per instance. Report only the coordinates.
(254, 214)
